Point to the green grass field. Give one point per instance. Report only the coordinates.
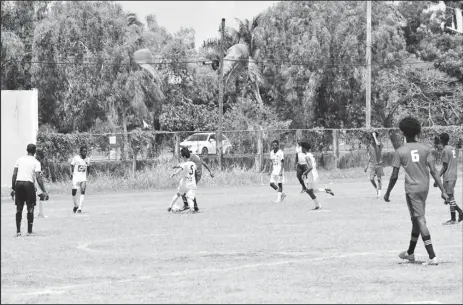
(241, 248)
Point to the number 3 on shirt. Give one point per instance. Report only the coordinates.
(415, 156)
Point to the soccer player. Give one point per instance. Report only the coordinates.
(449, 171)
(198, 173)
(79, 171)
(26, 170)
(375, 162)
(277, 159)
(417, 161)
(187, 184)
(300, 164)
(311, 176)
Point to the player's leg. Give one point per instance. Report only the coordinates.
(174, 200)
(372, 177)
(198, 178)
(190, 197)
(410, 253)
(83, 187)
(74, 195)
(418, 203)
(449, 187)
(19, 202)
(273, 184)
(282, 195)
(299, 172)
(310, 192)
(379, 174)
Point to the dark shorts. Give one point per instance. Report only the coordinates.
(449, 186)
(198, 176)
(416, 203)
(376, 170)
(25, 193)
(300, 169)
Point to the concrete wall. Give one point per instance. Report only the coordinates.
(20, 124)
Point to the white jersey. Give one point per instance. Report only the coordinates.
(300, 156)
(188, 180)
(27, 167)
(313, 173)
(276, 158)
(80, 168)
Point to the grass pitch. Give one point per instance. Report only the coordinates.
(241, 248)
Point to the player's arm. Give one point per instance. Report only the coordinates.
(437, 179)
(368, 162)
(178, 170)
(374, 137)
(13, 178)
(309, 166)
(396, 163)
(39, 179)
(297, 159)
(205, 165)
(445, 164)
(282, 166)
(72, 168)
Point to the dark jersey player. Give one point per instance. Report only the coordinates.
(418, 162)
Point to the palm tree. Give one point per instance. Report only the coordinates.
(242, 54)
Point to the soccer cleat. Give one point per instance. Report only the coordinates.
(31, 234)
(303, 191)
(196, 209)
(18, 234)
(449, 222)
(283, 195)
(74, 210)
(41, 216)
(405, 255)
(431, 262)
(79, 211)
(184, 208)
(329, 191)
(460, 217)
(316, 208)
(169, 209)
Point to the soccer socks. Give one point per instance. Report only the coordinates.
(317, 204)
(452, 204)
(279, 196)
(30, 220)
(413, 241)
(74, 199)
(18, 221)
(174, 199)
(374, 184)
(81, 201)
(41, 208)
(428, 246)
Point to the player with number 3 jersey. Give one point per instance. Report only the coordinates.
(187, 184)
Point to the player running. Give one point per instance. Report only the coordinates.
(449, 173)
(187, 184)
(310, 176)
(375, 162)
(277, 159)
(418, 162)
(79, 171)
(198, 173)
(301, 165)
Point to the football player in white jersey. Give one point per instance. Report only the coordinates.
(187, 184)
(300, 164)
(79, 172)
(276, 173)
(311, 176)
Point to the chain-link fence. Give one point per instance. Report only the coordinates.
(250, 149)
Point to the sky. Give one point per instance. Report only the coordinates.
(203, 16)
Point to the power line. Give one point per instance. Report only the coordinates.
(202, 62)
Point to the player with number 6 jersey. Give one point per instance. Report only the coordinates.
(418, 162)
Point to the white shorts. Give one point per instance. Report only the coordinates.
(311, 181)
(76, 184)
(277, 179)
(188, 193)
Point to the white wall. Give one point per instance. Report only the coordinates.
(20, 123)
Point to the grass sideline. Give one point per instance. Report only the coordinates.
(159, 178)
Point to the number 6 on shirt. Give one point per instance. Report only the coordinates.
(415, 155)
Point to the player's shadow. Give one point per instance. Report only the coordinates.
(421, 262)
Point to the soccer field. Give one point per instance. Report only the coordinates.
(241, 248)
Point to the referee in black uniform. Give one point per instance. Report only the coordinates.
(26, 170)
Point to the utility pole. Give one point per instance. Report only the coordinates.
(221, 94)
(368, 76)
